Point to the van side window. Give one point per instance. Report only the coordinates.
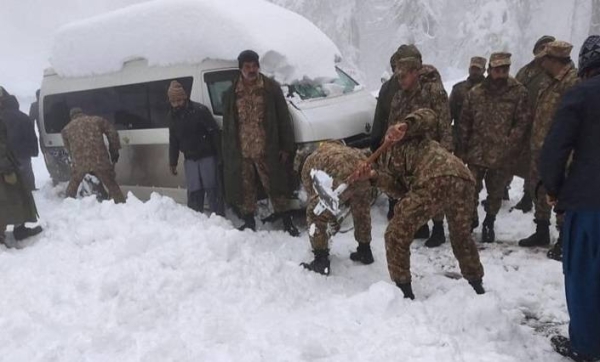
(218, 83)
(127, 107)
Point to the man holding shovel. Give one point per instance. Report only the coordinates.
(428, 180)
(338, 162)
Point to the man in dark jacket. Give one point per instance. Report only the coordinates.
(258, 143)
(21, 137)
(194, 132)
(16, 202)
(576, 190)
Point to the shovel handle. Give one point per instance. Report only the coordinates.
(384, 147)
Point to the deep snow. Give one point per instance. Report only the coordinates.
(155, 281)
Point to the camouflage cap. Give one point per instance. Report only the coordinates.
(556, 49)
(427, 119)
(76, 111)
(500, 59)
(478, 62)
(404, 65)
(539, 44)
(409, 51)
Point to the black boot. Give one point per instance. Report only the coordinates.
(477, 286)
(407, 290)
(526, 204)
(21, 232)
(321, 262)
(488, 235)
(541, 237)
(363, 254)
(555, 253)
(423, 232)
(249, 223)
(288, 225)
(437, 235)
(391, 204)
(562, 346)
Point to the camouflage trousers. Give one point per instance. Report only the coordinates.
(107, 177)
(254, 171)
(450, 195)
(322, 227)
(495, 181)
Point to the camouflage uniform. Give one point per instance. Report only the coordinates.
(250, 105)
(83, 139)
(429, 180)
(458, 94)
(339, 162)
(548, 99)
(493, 124)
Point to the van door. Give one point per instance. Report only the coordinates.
(216, 83)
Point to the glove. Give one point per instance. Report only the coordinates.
(10, 178)
(114, 157)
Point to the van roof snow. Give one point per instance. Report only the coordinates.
(167, 32)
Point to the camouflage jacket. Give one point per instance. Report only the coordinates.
(426, 95)
(493, 124)
(534, 78)
(416, 160)
(338, 161)
(83, 139)
(547, 102)
(250, 104)
(457, 97)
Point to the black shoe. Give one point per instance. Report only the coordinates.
(320, 264)
(526, 204)
(407, 290)
(437, 235)
(541, 237)
(423, 232)
(289, 227)
(555, 253)
(363, 254)
(562, 346)
(249, 223)
(21, 232)
(391, 204)
(477, 286)
(488, 235)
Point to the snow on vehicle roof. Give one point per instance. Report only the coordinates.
(167, 32)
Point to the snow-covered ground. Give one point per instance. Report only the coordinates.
(155, 281)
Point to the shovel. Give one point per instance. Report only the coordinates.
(329, 199)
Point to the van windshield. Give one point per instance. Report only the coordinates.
(341, 85)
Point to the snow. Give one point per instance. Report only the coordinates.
(155, 281)
(189, 31)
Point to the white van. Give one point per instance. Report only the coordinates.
(135, 101)
(119, 65)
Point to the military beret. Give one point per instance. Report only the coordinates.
(539, 44)
(499, 59)
(556, 49)
(478, 62)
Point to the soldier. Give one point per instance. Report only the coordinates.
(258, 143)
(416, 95)
(431, 82)
(16, 202)
(194, 132)
(460, 90)
(555, 59)
(428, 180)
(384, 103)
(339, 162)
(533, 77)
(493, 124)
(84, 141)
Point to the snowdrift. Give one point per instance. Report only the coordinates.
(169, 32)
